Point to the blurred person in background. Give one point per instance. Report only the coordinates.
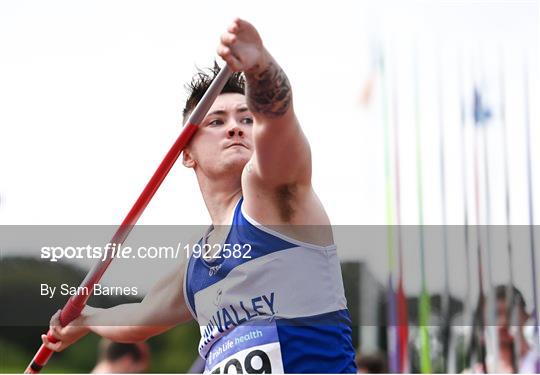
(371, 364)
(118, 358)
(514, 346)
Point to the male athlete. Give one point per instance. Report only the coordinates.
(270, 298)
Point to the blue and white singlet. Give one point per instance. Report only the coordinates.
(279, 308)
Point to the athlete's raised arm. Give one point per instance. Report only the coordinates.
(281, 151)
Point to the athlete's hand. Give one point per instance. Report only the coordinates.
(66, 335)
(241, 47)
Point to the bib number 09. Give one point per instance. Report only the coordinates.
(249, 367)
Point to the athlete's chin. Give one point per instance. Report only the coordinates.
(235, 163)
(238, 156)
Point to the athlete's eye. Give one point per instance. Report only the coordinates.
(215, 122)
(247, 120)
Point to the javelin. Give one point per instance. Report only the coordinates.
(393, 357)
(531, 214)
(424, 309)
(76, 303)
(511, 311)
(446, 299)
(402, 318)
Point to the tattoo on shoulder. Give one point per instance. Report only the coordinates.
(269, 92)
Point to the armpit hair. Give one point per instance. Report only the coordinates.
(284, 195)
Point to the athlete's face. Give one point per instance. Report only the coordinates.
(502, 323)
(505, 323)
(223, 143)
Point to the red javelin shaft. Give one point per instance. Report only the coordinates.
(76, 303)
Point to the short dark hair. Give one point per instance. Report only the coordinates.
(501, 293)
(372, 363)
(112, 351)
(202, 80)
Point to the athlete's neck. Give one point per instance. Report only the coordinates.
(220, 196)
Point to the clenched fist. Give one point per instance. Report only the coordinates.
(65, 336)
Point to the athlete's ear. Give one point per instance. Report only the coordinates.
(187, 159)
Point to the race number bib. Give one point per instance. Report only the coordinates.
(248, 349)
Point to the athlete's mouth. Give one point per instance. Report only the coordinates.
(236, 144)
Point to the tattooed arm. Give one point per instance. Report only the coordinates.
(282, 155)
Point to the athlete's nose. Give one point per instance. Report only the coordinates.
(232, 132)
(235, 130)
